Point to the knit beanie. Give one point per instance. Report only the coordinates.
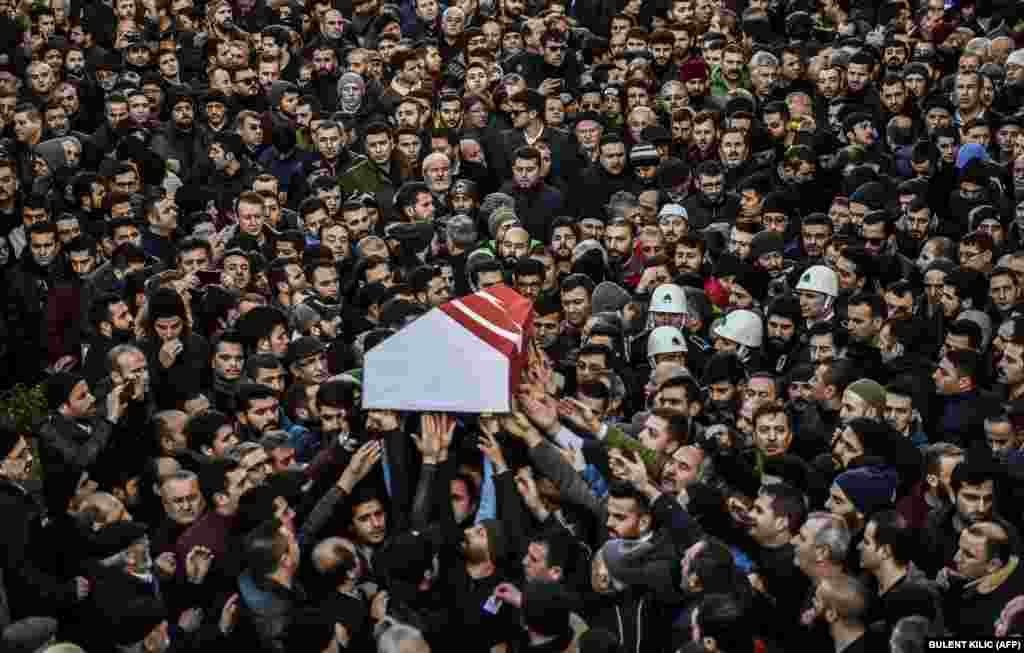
(492, 202)
(752, 280)
(870, 488)
(643, 154)
(722, 367)
(59, 386)
(984, 323)
(766, 242)
(871, 194)
(500, 216)
(609, 297)
(870, 391)
(785, 306)
(587, 246)
(166, 302)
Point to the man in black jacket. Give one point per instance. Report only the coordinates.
(72, 436)
(37, 592)
(27, 288)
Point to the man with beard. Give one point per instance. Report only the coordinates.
(599, 182)
(711, 203)
(722, 376)
(644, 160)
(920, 225)
(772, 524)
(257, 410)
(901, 412)
(564, 238)
(766, 253)
(73, 435)
(28, 285)
(176, 141)
(974, 486)
(112, 324)
(554, 71)
(618, 242)
(732, 74)
(232, 173)
(69, 302)
(783, 326)
(1011, 365)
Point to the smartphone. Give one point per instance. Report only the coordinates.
(208, 277)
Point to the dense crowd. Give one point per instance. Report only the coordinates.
(772, 390)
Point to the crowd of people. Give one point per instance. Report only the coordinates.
(772, 392)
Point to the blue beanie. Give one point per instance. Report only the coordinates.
(870, 488)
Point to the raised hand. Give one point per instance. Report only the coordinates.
(197, 564)
(490, 447)
(170, 351)
(580, 415)
(632, 467)
(191, 619)
(526, 485)
(379, 606)
(166, 564)
(542, 409)
(362, 462)
(519, 425)
(229, 615)
(440, 427)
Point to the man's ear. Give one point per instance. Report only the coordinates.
(710, 645)
(645, 522)
(106, 329)
(695, 408)
(932, 480)
(780, 523)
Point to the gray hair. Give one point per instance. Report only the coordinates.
(763, 58)
(833, 534)
(669, 84)
(391, 635)
(432, 157)
(1016, 58)
(619, 202)
(117, 352)
(180, 475)
(910, 633)
(978, 45)
(240, 450)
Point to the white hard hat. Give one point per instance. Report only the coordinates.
(665, 340)
(742, 327)
(819, 278)
(668, 298)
